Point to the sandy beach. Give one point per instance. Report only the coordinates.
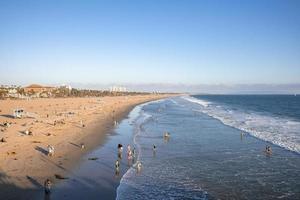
(64, 123)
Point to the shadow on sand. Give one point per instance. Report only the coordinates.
(42, 150)
(76, 145)
(8, 116)
(10, 191)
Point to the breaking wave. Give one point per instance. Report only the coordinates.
(277, 130)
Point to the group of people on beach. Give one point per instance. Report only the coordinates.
(131, 155)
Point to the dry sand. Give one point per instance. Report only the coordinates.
(24, 162)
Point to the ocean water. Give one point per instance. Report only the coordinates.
(206, 156)
(273, 118)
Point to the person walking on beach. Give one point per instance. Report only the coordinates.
(47, 186)
(50, 150)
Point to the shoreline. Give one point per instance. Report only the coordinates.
(92, 179)
(210, 157)
(24, 163)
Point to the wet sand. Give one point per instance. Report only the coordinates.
(94, 179)
(24, 163)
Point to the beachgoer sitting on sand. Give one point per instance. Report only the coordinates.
(82, 146)
(47, 186)
(28, 131)
(50, 150)
(6, 124)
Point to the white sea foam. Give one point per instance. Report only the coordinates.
(198, 101)
(139, 121)
(175, 102)
(280, 131)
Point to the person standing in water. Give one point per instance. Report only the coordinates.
(128, 149)
(120, 150)
(120, 147)
(139, 167)
(268, 150)
(154, 150)
(117, 167)
(133, 155)
(117, 164)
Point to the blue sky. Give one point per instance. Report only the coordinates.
(146, 42)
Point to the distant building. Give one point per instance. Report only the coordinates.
(117, 89)
(10, 91)
(8, 87)
(35, 88)
(13, 93)
(68, 87)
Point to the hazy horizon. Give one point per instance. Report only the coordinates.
(185, 88)
(177, 46)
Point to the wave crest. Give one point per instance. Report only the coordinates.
(280, 131)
